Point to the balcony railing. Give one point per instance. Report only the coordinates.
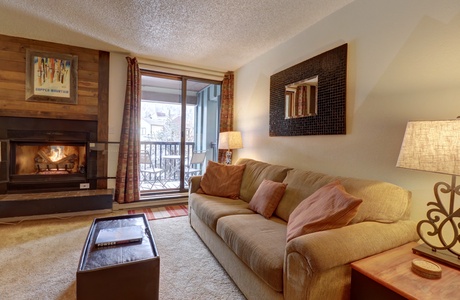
(169, 176)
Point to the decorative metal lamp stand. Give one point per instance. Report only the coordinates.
(434, 146)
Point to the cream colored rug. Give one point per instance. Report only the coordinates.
(39, 259)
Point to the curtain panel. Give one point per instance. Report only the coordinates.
(127, 180)
(226, 109)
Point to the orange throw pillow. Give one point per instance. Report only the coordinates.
(222, 180)
(267, 197)
(328, 208)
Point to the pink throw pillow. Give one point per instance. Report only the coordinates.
(222, 180)
(267, 197)
(327, 208)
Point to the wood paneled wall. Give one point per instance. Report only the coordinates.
(93, 77)
(93, 86)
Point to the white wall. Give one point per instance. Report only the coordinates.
(403, 64)
(117, 90)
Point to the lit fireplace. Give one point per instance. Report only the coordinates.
(47, 155)
(50, 159)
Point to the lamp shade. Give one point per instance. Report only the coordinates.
(230, 140)
(432, 146)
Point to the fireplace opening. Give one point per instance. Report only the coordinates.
(47, 155)
(50, 159)
(47, 166)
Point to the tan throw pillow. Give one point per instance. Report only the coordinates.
(327, 208)
(222, 180)
(267, 197)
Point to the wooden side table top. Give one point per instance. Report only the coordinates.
(392, 269)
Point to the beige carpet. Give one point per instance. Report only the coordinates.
(38, 260)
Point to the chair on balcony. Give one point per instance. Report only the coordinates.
(149, 174)
(192, 167)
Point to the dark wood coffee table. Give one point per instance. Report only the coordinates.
(126, 271)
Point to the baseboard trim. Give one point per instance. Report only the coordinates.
(149, 203)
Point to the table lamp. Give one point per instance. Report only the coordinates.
(434, 146)
(230, 140)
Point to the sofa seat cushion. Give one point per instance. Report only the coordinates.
(260, 243)
(210, 208)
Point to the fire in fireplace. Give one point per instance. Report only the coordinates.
(50, 159)
(46, 155)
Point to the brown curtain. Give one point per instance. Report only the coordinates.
(226, 109)
(127, 182)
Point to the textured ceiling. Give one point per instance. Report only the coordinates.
(215, 34)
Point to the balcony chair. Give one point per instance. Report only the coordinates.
(191, 168)
(149, 174)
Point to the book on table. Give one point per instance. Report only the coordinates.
(119, 235)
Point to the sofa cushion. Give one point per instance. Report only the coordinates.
(301, 185)
(328, 208)
(255, 172)
(267, 197)
(382, 201)
(222, 180)
(210, 208)
(260, 243)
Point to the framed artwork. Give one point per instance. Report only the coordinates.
(51, 77)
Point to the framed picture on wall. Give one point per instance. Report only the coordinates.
(51, 77)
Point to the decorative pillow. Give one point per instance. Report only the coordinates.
(222, 180)
(327, 208)
(267, 197)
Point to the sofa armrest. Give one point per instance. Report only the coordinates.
(309, 256)
(331, 248)
(194, 183)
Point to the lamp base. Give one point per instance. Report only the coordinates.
(228, 157)
(442, 256)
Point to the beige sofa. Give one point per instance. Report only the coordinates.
(253, 249)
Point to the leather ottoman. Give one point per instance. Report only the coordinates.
(123, 271)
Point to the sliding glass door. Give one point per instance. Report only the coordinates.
(179, 121)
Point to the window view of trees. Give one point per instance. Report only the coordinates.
(161, 122)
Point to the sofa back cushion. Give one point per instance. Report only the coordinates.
(255, 172)
(382, 201)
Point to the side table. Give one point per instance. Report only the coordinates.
(388, 275)
(126, 271)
